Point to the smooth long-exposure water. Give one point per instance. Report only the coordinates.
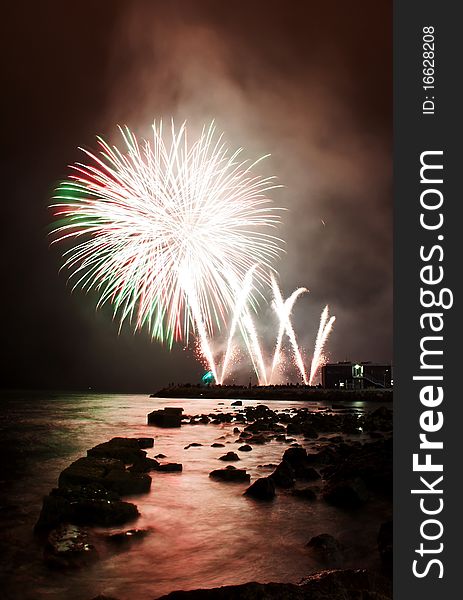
(203, 533)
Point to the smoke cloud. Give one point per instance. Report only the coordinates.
(309, 84)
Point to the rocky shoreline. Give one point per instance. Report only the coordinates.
(335, 468)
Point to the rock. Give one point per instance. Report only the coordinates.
(109, 473)
(204, 419)
(160, 456)
(145, 442)
(126, 482)
(327, 549)
(69, 546)
(261, 489)
(325, 456)
(305, 493)
(245, 448)
(346, 584)
(293, 429)
(284, 475)
(230, 474)
(307, 474)
(80, 506)
(126, 537)
(309, 431)
(217, 445)
(237, 403)
(193, 445)
(125, 449)
(257, 439)
(385, 537)
(236, 430)
(259, 412)
(168, 417)
(296, 456)
(89, 470)
(370, 463)
(170, 467)
(346, 494)
(378, 420)
(351, 424)
(144, 465)
(230, 456)
(297, 459)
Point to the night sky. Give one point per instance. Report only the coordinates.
(310, 83)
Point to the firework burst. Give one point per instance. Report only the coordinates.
(165, 230)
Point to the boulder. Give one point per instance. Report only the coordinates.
(217, 445)
(309, 431)
(327, 549)
(257, 439)
(126, 482)
(83, 506)
(370, 463)
(144, 465)
(145, 442)
(325, 456)
(262, 489)
(379, 420)
(230, 456)
(167, 417)
(123, 538)
(125, 449)
(284, 475)
(230, 474)
(346, 494)
(307, 474)
(110, 474)
(237, 403)
(88, 470)
(193, 445)
(346, 584)
(245, 448)
(296, 456)
(69, 546)
(170, 467)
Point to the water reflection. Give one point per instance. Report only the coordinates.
(203, 533)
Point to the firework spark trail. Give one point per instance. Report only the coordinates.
(242, 298)
(137, 217)
(283, 310)
(324, 330)
(261, 370)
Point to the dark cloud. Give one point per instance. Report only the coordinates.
(308, 82)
